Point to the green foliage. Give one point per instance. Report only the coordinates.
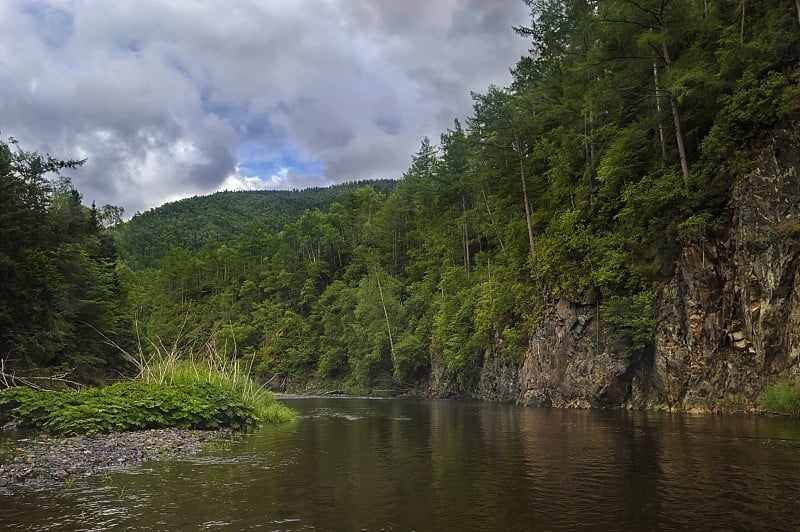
(758, 103)
(455, 339)
(59, 296)
(697, 228)
(782, 398)
(410, 359)
(631, 320)
(127, 406)
(216, 219)
(203, 391)
(208, 367)
(334, 315)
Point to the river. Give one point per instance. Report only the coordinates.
(402, 464)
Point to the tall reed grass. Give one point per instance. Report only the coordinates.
(188, 365)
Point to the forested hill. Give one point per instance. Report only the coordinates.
(217, 218)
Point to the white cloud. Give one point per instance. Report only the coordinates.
(162, 96)
(239, 180)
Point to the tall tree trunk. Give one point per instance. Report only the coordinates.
(592, 151)
(658, 110)
(588, 132)
(491, 218)
(741, 30)
(525, 199)
(588, 125)
(586, 152)
(465, 236)
(677, 119)
(679, 139)
(386, 316)
(395, 251)
(797, 5)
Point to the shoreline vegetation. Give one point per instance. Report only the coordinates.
(208, 366)
(180, 402)
(781, 398)
(173, 389)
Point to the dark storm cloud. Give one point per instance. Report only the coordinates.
(171, 99)
(206, 173)
(485, 18)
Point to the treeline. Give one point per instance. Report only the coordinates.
(617, 141)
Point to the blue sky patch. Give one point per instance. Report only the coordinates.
(251, 162)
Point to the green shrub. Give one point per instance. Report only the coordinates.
(783, 397)
(208, 367)
(630, 320)
(128, 406)
(203, 391)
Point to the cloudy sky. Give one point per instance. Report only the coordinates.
(169, 99)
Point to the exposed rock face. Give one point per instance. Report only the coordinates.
(554, 367)
(728, 321)
(567, 364)
(442, 383)
(500, 380)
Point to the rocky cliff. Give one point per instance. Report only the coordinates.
(567, 364)
(728, 321)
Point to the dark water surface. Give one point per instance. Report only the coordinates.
(371, 464)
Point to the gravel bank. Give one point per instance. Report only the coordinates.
(41, 460)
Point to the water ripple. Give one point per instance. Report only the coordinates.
(403, 465)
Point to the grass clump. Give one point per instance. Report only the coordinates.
(188, 390)
(126, 406)
(207, 366)
(783, 398)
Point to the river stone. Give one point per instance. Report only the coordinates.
(43, 461)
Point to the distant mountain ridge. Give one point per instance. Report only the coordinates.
(194, 222)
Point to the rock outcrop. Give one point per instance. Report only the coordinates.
(500, 380)
(728, 321)
(566, 365)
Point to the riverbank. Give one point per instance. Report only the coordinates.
(42, 460)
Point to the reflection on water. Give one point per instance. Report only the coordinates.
(407, 464)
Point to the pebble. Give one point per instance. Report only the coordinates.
(45, 460)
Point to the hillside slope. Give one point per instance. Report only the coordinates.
(212, 220)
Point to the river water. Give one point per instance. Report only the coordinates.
(388, 464)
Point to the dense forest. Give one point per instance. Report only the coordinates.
(617, 143)
(60, 297)
(216, 219)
